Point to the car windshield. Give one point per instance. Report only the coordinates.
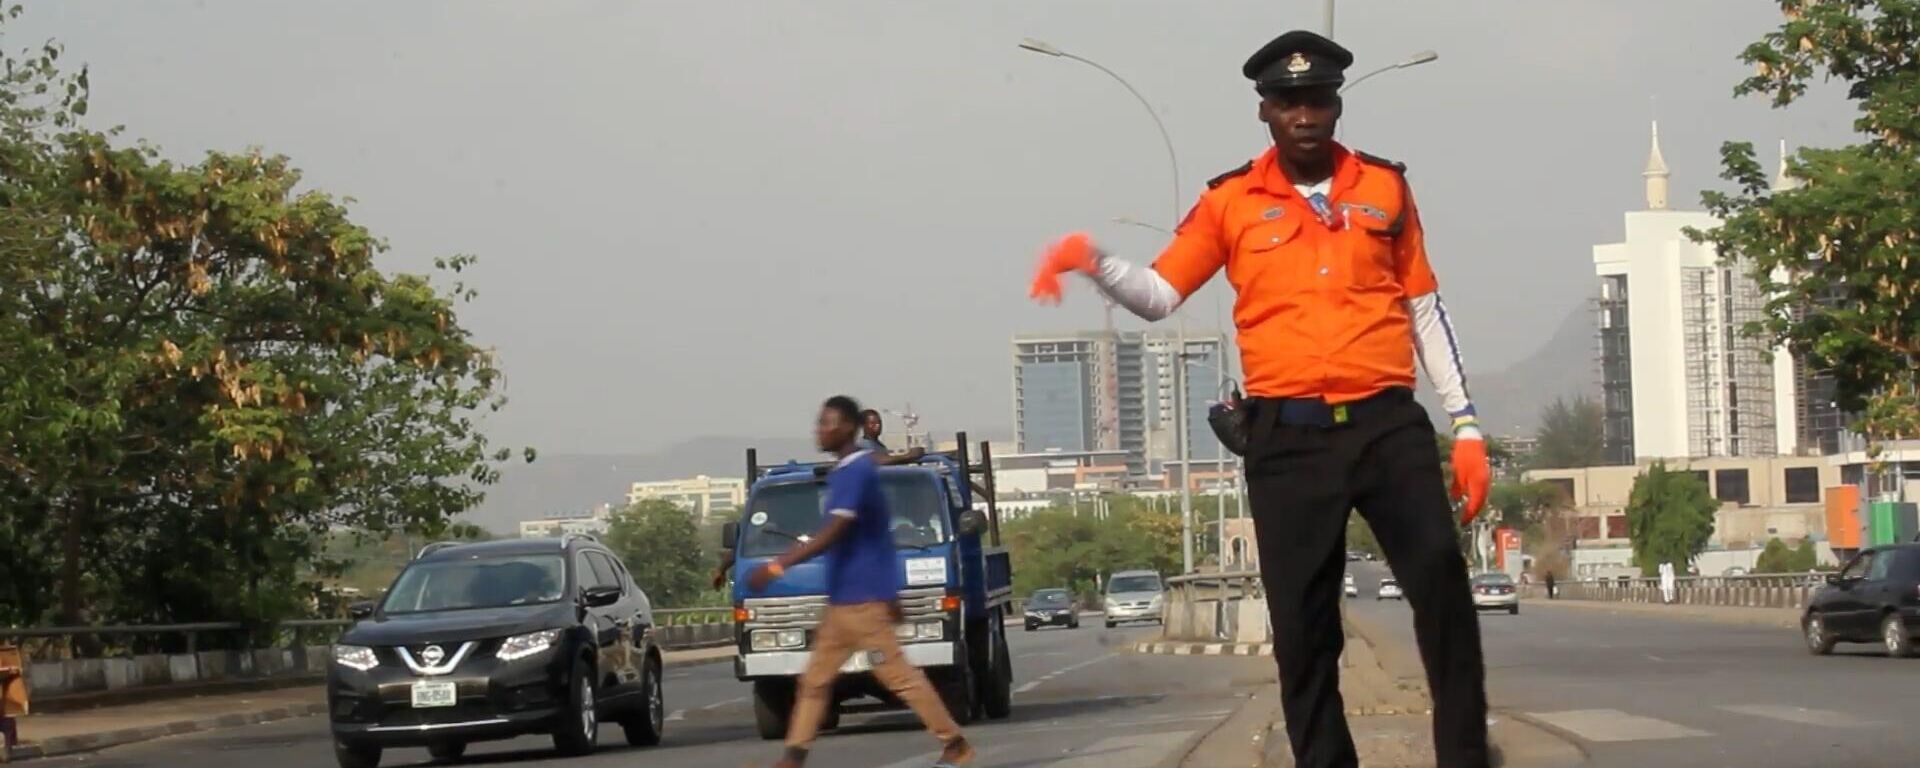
(1047, 597)
(1493, 578)
(482, 582)
(1124, 584)
(780, 514)
(1389, 583)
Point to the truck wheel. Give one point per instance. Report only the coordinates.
(772, 703)
(955, 685)
(999, 677)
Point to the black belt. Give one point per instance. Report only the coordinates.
(1317, 412)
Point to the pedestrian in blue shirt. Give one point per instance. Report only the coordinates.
(863, 592)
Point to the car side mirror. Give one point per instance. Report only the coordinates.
(729, 534)
(972, 522)
(596, 597)
(1833, 578)
(360, 610)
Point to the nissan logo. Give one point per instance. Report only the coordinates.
(433, 655)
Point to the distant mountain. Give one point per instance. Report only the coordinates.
(577, 482)
(1509, 401)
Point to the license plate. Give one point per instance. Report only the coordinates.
(427, 695)
(859, 662)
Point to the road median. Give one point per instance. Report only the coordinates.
(1788, 618)
(97, 728)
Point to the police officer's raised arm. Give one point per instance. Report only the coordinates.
(1151, 293)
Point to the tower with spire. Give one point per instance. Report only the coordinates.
(1656, 174)
(1784, 181)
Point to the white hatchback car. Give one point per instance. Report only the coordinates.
(1351, 588)
(1389, 590)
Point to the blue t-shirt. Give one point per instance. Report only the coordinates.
(861, 566)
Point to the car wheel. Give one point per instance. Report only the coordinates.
(772, 703)
(579, 728)
(1819, 640)
(1109, 625)
(1074, 624)
(356, 756)
(1513, 610)
(644, 728)
(1030, 627)
(447, 751)
(1893, 633)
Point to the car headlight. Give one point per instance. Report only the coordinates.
(777, 639)
(1155, 603)
(522, 646)
(355, 657)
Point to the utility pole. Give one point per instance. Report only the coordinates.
(1327, 20)
(1186, 455)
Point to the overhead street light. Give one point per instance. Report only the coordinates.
(1410, 61)
(1173, 161)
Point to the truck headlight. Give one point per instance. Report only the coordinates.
(355, 657)
(777, 639)
(522, 646)
(928, 630)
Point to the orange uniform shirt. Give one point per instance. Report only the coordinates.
(1320, 308)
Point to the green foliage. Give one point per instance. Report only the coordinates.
(1524, 505)
(1837, 254)
(1571, 434)
(207, 374)
(1669, 518)
(1777, 557)
(1360, 537)
(1056, 547)
(661, 546)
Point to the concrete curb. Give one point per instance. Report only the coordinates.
(1239, 739)
(66, 745)
(1205, 649)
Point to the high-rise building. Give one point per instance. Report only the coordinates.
(707, 499)
(1113, 391)
(1679, 376)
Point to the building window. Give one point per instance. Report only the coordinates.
(1803, 485)
(1700, 475)
(1589, 528)
(1730, 485)
(1616, 526)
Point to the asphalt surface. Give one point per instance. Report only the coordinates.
(1081, 700)
(1640, 690)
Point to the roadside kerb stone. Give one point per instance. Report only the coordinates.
(1204, 649)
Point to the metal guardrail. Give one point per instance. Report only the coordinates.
(60, 642)
(680, 617)
(1767, 590)
(1198, 605)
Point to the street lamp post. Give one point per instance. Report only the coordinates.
(1173, 167)
(1410, 61)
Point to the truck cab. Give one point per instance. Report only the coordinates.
(957, 587)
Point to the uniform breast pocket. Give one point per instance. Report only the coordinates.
(1370, 247)
(1260, 255)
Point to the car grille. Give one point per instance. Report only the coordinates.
(804, 612)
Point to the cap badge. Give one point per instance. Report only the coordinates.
(1299, 63)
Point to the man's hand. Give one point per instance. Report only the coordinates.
(1471, 476)
(1074, 252)
(719, 578)
(761, 576)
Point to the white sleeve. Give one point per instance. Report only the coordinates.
(1439, 351)
(1140, 289)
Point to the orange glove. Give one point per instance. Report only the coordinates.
(1073, 252)
(1471, 476)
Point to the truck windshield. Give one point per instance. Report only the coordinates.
(491, 582)
(779, 514)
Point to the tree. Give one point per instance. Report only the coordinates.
(1669, 518)
(1775, 557)
(1805, 557)
(661, 546)
(1360, 537)
(1571, 434)
(207, 373)
(1837, 251)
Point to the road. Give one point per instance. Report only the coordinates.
(1647, 690)
(1081, 701)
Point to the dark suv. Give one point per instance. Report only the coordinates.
(1875, 599)
(493, 640)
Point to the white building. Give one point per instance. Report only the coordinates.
(1679, 376)
(708, 499)
(593, 521)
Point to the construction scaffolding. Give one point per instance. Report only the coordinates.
(1729, 374)
(1616, 370)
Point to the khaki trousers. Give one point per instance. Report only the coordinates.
(865, 628)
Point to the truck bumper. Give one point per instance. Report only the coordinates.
(792, 663)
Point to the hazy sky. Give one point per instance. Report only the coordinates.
(686, 212)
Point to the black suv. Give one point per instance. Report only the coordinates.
(1875, 599)
(493, 640)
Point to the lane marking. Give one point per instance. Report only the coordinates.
(1035, 683)
(1604, 725)
(678, 714)
(719, 704)
(1823, 718)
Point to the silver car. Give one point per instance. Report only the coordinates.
(1134, 596)
(1494, 591)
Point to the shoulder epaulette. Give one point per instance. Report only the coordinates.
(1222, 178)
(1397, 166)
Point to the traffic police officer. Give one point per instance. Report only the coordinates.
(1334, 300)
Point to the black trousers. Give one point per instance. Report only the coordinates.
(1302, 482)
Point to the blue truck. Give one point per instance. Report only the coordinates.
(957, 594)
